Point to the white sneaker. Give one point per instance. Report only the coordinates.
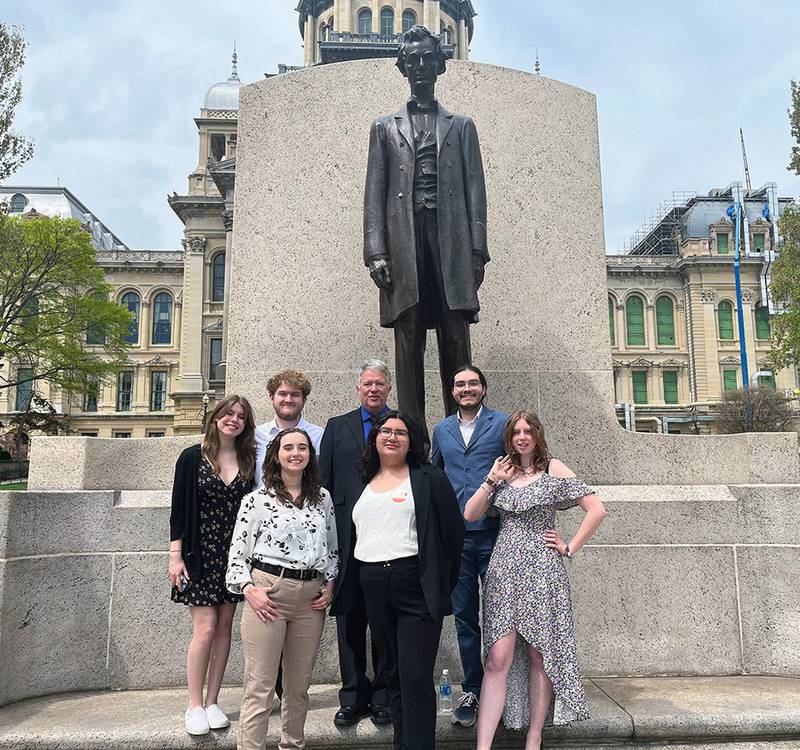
(195, 721)
(216, 717)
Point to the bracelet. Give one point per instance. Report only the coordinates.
(246, 584)
(491, 482)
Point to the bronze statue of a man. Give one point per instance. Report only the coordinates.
(425, 224)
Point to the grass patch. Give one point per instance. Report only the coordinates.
(11, 486)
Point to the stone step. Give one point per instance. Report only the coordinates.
(726, 713)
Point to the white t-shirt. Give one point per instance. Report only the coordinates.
(267, 432)
(386, 524)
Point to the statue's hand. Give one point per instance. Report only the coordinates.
(381, 273)
(478, 268)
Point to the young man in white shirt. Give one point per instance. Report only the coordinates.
(288, 391)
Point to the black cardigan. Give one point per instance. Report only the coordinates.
(184, 519)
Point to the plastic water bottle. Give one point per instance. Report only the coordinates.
(445, 693)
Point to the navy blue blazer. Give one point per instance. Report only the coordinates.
(467, 465)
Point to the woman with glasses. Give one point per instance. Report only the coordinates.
(403, 552)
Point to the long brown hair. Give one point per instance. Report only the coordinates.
(310, 487)
(541, 454)
(245, 441)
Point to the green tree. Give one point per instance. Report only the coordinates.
(53, 302)
(785, 290)
(794, 120)
(14, 149)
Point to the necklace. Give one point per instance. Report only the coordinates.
(528, 471)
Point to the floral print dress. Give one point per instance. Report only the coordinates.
(219, 504)
(527, 591)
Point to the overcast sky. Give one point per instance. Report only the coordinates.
(110, 89)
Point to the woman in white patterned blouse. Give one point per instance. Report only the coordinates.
(284, 559)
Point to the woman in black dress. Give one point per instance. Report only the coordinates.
(210, 480)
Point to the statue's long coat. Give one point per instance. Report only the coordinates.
(389, 210)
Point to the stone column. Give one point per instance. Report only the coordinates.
(190, 378)
(308, 41)
(141, 386)
(650, 335)
(376, 16)
(227, 219)
(435, 16)
(398, 16)
(345, 19)
(710, 386)
(749, 331)
(462, 50)
(426, 15)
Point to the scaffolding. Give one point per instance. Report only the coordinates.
(659, 234)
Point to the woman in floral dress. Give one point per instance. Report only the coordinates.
(210, 480)
(531, 676)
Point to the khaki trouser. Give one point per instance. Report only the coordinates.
(296, 633)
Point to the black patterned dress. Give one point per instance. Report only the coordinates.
(527, 591)
(219, 504)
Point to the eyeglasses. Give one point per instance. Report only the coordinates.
(460, 385)
(388, 432)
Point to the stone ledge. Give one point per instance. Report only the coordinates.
(750, 712)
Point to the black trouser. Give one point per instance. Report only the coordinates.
(411, 329)
(357, 689)
(408, 637)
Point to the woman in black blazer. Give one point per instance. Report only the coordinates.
(402, 549)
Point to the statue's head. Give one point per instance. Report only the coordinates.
(421, 57)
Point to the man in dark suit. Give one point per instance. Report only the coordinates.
(466, 445)
(340, 452)
(425, 224)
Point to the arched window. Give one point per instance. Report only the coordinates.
(409, 20)
(611, 322)
(323, 32)
(18, 203)
(218, 278)
(96, 333)
(365, 21)
(763, 327)
(634, 321)
(162, 319)
(451, 35)
(725, 320)
(387, 22)
(665, 321)
(445, 33)
(131, 301)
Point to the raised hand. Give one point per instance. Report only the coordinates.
(502, 469)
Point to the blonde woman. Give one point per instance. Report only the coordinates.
(532, 677)
(210, 481)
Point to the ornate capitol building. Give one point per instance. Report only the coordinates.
(671, 301)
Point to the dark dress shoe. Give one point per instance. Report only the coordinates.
(380, 715)
(348, 716)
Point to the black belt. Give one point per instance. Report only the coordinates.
(391, 563)
(278, 570)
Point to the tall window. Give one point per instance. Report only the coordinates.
(29, 313)
(758, 243)
(639, 381)
(634, 321)
(730, 380)
(670, 379)
(92, 393)
(611, 322)
(725, 320)
(131, 301)
(215, 357)
(665, 321)
(387, 22)
(218, 278)
(158, 390)
(162, 319)
(18, 203)
(409, 20)
(763, 328)
(365, 21)
(24, 388)
(722, 244)
(124, 390)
